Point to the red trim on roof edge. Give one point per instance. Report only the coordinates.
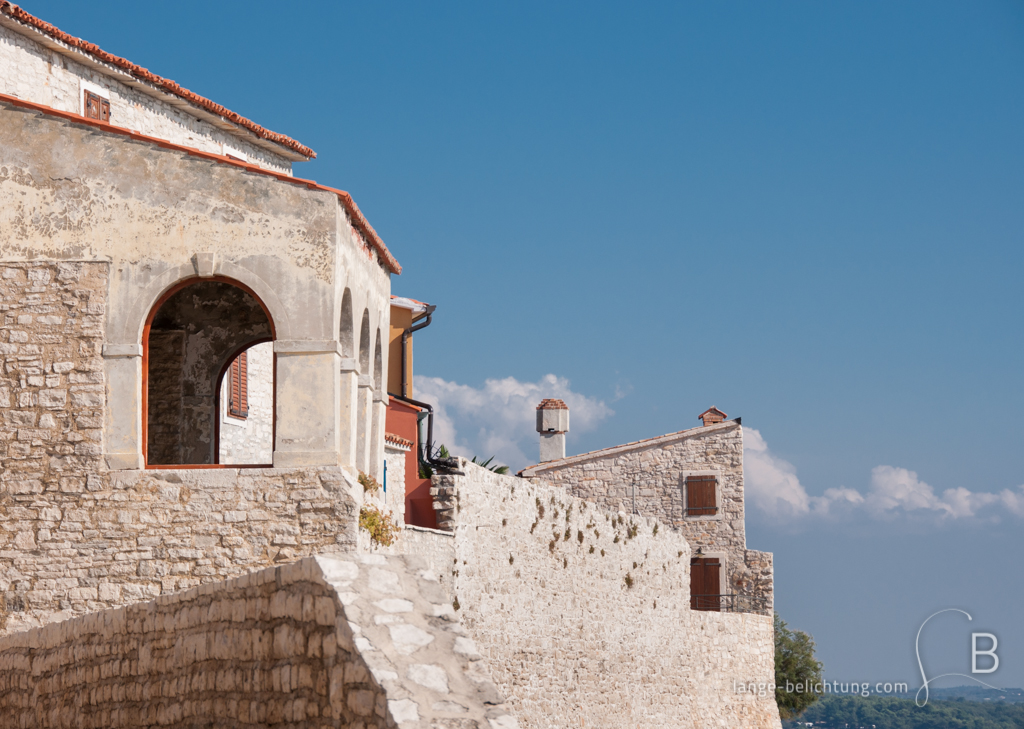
(144, 74)
(359, 222)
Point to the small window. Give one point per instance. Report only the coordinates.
(96, 107)
(238, 384)
(700, 496)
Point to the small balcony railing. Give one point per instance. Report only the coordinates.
(729, 603)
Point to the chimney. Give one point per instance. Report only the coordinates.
(712, 415)
(552, 424)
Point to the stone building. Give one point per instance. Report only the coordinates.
(198, 467)
(691, 480)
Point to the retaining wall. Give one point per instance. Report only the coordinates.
(365, 642)
(584, 615)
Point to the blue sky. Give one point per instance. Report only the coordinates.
(807, 214)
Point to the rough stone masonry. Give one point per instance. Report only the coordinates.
(366, 642)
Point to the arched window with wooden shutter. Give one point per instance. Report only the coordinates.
(238, 396)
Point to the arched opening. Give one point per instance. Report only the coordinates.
(245, 416)
(346, 331)
(378, 367)
(195, 334)
(364, 344)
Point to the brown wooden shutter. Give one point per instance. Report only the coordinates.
(700, 496)
(96, 107)
(238, 387)
(704, 584)
(243, 383)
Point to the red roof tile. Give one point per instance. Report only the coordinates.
(9, 9)
(398, 440)
(552, 404)
(360, 223)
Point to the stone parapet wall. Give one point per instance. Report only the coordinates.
(584, 614)
(366, 642)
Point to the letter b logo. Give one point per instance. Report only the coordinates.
(991, 652)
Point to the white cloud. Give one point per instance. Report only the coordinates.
(770, 482)
(500, 418)
(772, 487)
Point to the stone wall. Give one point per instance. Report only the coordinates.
(75, 538)
(95, 541)
(437, 548)
(35, 73)
(584, 614)
(70, 191)
(364, 642)
(51, 383)
(649, 477)
(249, 440)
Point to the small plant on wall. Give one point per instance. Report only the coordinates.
(382, 528)
(369, 483)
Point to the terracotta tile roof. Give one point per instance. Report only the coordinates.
(552, 404)
(143, 74)
(398, 440)
(360, 223)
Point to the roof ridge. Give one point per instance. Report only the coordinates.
(685, 433)
(10, 9)
(359, 221)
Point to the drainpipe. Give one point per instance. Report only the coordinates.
(426, 454)
(406, 333)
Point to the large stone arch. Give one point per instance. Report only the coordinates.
(128, 331)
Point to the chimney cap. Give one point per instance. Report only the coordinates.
(552, 404)
(712, 415)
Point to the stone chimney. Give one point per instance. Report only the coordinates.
(710, 416)
(552, 424)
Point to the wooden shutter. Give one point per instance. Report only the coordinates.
(704, 584)
(700, 496)
(238, 387)
(96, 107)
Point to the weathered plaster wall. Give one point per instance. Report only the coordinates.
(68, 191)
(650, 477)
(394, 499)
(35, 73)
(584, 615)
(250, 440)
(362, 642)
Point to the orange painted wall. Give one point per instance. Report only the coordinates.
(401, 319)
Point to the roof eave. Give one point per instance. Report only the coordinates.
(150, 89)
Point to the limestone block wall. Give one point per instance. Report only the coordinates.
(368, 642)
(98, 540)
(584, 614)
(35, 73)
(250, 440)
(649, 476)
(51, 382)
